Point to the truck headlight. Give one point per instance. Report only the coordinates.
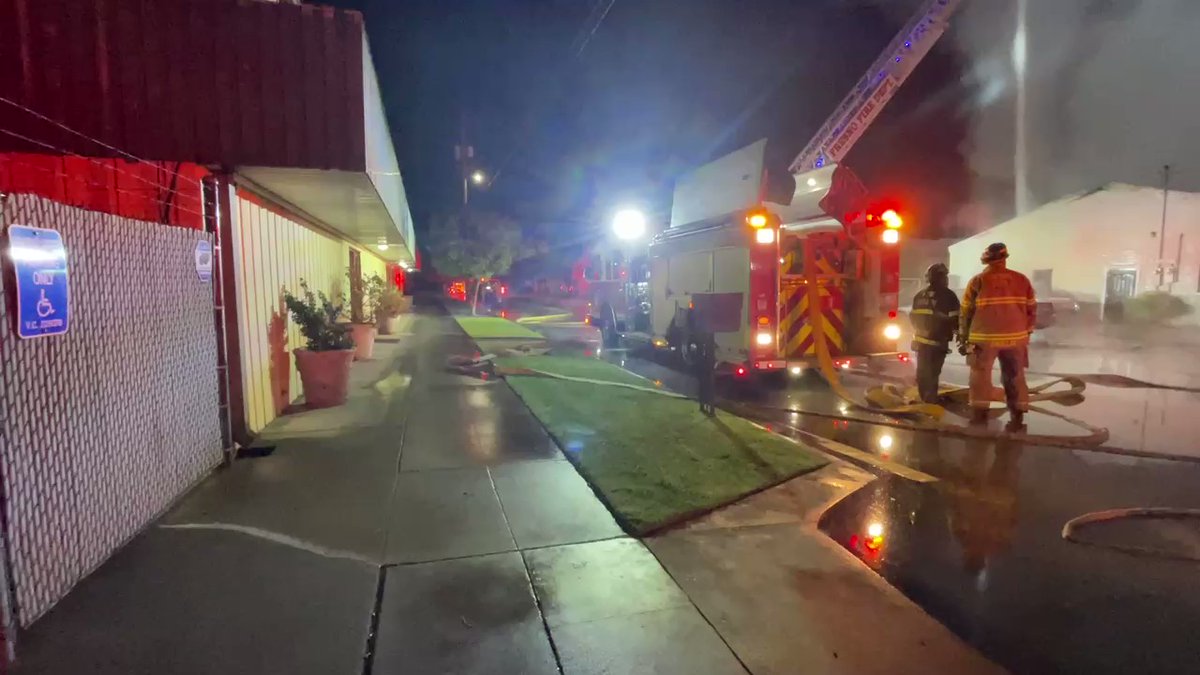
(891, 331)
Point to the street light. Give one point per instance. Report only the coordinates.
(478, 177)
(629, 224)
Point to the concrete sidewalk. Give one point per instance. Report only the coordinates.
(428, 526)
(431, 526)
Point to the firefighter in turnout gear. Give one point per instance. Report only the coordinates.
(998, 315)
(935, 321)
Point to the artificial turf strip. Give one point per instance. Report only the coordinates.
(493, 327)
(656, 460)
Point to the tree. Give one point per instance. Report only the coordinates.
(474, 244)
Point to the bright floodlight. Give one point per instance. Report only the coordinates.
(478, 177)
(629, 224)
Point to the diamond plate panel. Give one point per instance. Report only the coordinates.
(105, 426)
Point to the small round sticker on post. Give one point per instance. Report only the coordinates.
(204, 260)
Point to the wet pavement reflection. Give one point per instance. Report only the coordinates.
(981, 548)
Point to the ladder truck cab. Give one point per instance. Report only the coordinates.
(762, 265)
(781, 271)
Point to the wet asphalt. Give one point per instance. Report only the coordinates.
(981, 548)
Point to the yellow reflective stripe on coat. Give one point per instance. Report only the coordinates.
(1005, 300)
(926, 341)
(921, 311)
(996, 337)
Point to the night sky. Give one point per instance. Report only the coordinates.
(577, 122)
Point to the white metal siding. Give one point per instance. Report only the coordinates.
(1080, 239)
(275, 253)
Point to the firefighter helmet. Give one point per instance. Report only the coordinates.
(936, 271)
(994, 253)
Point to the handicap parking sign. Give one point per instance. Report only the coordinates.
(43, 296)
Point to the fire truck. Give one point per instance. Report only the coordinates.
(782, 268)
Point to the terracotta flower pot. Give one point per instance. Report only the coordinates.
(389, 325)
(363, 335)
(324, 375)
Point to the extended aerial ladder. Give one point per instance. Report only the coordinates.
(809, 231)
(862, 105)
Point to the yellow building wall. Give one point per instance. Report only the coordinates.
(274, 253)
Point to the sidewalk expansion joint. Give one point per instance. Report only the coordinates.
(373, 624)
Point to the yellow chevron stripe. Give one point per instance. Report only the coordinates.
(832, 333)
(824, 266)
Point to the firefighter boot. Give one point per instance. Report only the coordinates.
(1016, 421)
(979, 416)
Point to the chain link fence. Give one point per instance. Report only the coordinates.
(101, 428)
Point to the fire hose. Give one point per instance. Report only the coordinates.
(891, 400)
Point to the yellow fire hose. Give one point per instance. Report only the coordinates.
(889, 399)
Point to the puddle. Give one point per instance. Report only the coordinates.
(981, 550)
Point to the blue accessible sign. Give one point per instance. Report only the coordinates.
(43, 297)
(204, 260)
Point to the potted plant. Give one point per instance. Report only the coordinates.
(392, 303)
(363, 324)
(324, 363)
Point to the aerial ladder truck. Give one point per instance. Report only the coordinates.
(783, 269)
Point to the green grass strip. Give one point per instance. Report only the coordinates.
(655, 460)
(493, 327)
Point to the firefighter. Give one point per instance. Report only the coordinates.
(935, 321)
(998, 314)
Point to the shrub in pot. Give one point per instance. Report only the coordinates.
(324, 363)
(363, 323)
(392, 304)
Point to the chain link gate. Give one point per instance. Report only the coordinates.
(102, 428)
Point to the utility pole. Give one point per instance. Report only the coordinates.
(1020, 55)
(464, 152)
(1162, 227)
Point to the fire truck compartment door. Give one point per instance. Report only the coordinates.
(718, 312)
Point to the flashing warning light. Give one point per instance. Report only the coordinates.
(503, 290)
(892, 314)
(757, 219)
(763, 339)
(741, 371)
(891, 236)
(903, 356)
(874, 539)
(765, 235)
(891, 219)
(891, 331)
(764, 320)
(796, 370)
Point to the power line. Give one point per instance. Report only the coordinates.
(80, 134)
(583, 38)
(60, 151)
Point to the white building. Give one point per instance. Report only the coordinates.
(1098, 245)
(916, 255)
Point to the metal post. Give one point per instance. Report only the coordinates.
(212, 226)
(229, 333)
